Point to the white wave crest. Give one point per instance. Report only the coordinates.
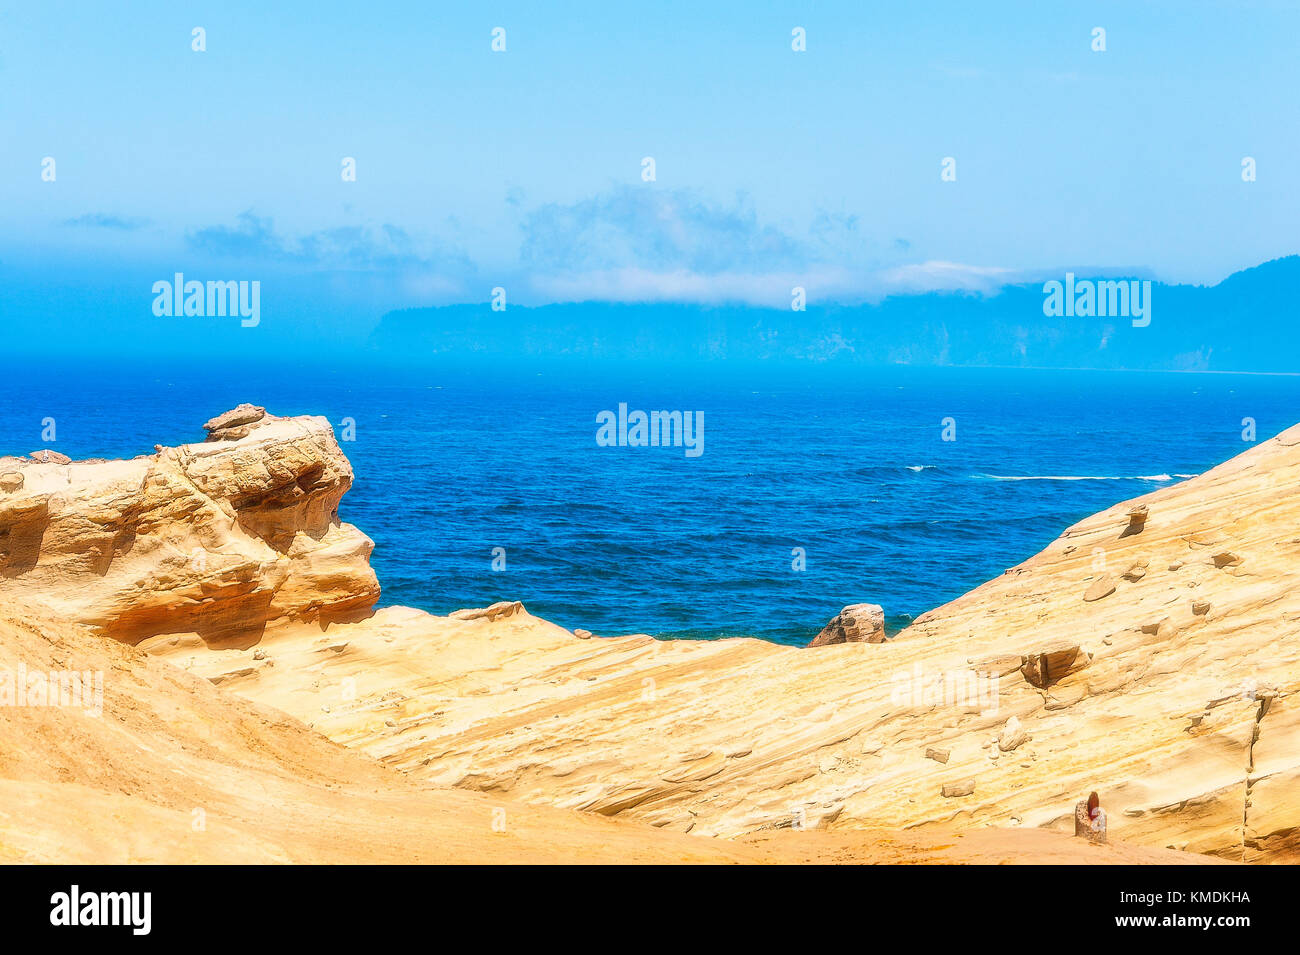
(1157, 478)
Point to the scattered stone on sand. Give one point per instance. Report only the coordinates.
(503, 608)
(937, 754)
(963, 787)
(46, 456)
(1103, 586)
(1013, 735)
(1137, 570)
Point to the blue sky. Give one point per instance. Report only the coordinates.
(523, 168)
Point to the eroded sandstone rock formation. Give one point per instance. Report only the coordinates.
(1173, 693)
(171, 769)
(220, 539)
(856, 623)
(1173, 696)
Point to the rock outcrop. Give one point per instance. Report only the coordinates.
(47, 456)
(856, 623)
(163, 768)
(221, 539)
(1175, 696)
(159, 766)
(234, 424)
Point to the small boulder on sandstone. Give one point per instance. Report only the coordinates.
(46, 456)
(963, 787)
(1137, 570)
(1103, 586)
(856, 623)
(1164, 629)
(1013, 735)
(235, 423)
(1045, 667)
(498, 611)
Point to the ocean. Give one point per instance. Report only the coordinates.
(815, 486)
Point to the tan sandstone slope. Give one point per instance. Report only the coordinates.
(1150, 656)
(160, 766)
(173, 770)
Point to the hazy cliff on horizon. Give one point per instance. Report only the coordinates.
(1241, 324)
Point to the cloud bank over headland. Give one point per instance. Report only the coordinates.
(1239, 325)
(640, 272)
(356, 172)
(674, 245)
(330, 285)
(654, 274)
(624, 245)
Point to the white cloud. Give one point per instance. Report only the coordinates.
(636, 284)
(937, 276)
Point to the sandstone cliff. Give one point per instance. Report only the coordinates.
(1149, 653)
(167, 768)
(174, 770)
(1171, 693)
(220, 538)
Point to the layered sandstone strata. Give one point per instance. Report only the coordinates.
(166, 768)
(1154, 660)
(1170, 690)
(154, 765)
(221, 538)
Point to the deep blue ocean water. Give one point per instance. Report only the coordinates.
(848, 464)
